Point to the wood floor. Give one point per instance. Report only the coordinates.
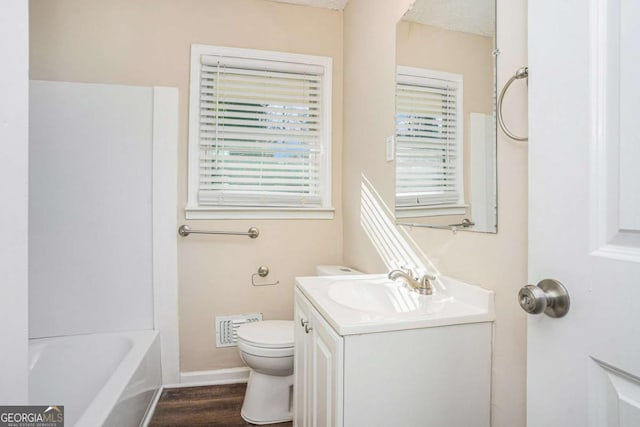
(202, 406)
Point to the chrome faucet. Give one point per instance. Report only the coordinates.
(421, 285)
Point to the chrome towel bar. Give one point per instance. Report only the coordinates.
(185, 230)
(466, 223)
(521, 73)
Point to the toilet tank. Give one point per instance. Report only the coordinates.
(335, 270)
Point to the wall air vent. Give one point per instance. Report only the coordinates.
(227, 327)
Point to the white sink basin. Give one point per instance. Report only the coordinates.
(384, 296)
(373, 303)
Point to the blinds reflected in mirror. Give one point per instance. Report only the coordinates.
(428, 138)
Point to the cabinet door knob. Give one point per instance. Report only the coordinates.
(307, 328)
(303, 322)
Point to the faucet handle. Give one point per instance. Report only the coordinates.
(427, 278)
(407, 270)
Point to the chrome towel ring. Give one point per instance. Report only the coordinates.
(521, 73)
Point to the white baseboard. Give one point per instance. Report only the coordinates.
(215, 377)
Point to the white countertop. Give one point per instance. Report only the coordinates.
(360, 304)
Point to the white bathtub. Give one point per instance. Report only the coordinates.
(101, 379)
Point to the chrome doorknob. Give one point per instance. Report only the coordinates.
(549, 296)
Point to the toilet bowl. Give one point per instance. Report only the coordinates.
(267, 348)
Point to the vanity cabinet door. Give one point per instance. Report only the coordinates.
(318, 369)
(302, 365)
(326, 402)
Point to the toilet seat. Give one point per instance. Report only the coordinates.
(265, 352)
(269, 338)
(267, 334)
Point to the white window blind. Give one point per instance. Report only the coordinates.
(428, 141)
(261, 133)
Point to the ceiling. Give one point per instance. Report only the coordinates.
(328, 4)
(469, 16)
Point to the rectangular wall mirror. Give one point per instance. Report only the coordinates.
(445, 139)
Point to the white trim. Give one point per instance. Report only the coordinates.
(621, 253)
(258, 213)
(193, 209)
(194, 116)
(437, 210)
(403, 70)
(482, 171)
(214, 377)
(198, 50)
(165, 223)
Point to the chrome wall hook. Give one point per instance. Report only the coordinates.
(263, 271)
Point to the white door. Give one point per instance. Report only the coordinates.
(584, 211)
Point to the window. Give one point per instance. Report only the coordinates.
(259, 134)
(428, 142)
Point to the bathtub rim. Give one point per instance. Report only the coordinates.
(106, 399)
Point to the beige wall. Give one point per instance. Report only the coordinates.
(497, 261)
(425, 46)
(140, 42)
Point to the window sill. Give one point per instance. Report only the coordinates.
(411, 212)
(258, 213)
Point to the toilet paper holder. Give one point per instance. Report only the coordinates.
(263, 271)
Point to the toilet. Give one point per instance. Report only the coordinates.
(267, 348)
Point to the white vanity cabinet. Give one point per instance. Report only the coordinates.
(385, 370)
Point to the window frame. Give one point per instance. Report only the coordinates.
(405, 75)
(194, 209)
